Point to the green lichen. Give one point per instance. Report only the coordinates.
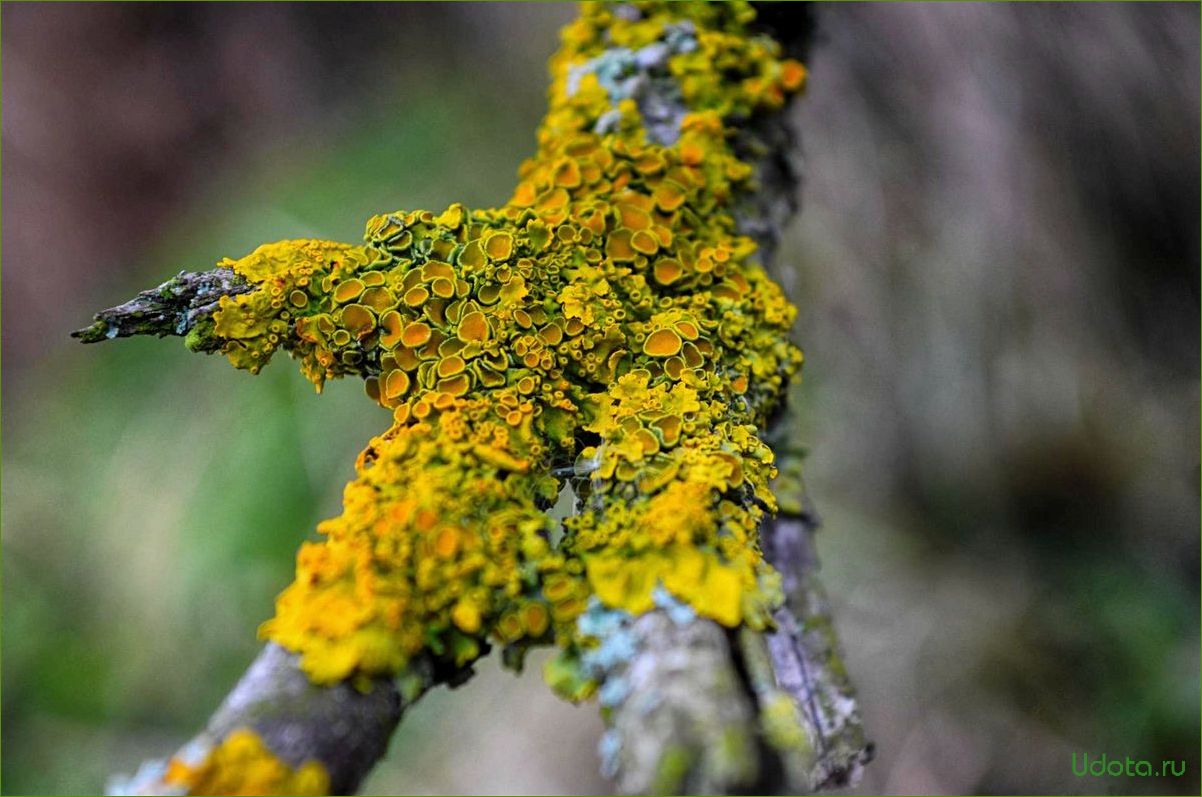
(778, 719)
(673, 767)
(608, 324)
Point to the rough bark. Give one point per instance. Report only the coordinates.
(804, 649)
(183, 305)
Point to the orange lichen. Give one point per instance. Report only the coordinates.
(242, 765)
(662, 343)
(609, 315)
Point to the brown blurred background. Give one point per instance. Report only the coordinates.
(997, 270)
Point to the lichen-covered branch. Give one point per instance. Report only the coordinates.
(611, 327)
(339, 732)
(691, 710)
(684, 724)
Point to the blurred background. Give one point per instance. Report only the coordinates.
(997, 270)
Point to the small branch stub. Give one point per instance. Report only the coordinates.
(180, 306)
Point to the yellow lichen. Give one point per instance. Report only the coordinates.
(242, 765)
(609, 315)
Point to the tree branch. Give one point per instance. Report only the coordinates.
(707, 713)
(183, 305)
(346, 727)
(690, 706)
